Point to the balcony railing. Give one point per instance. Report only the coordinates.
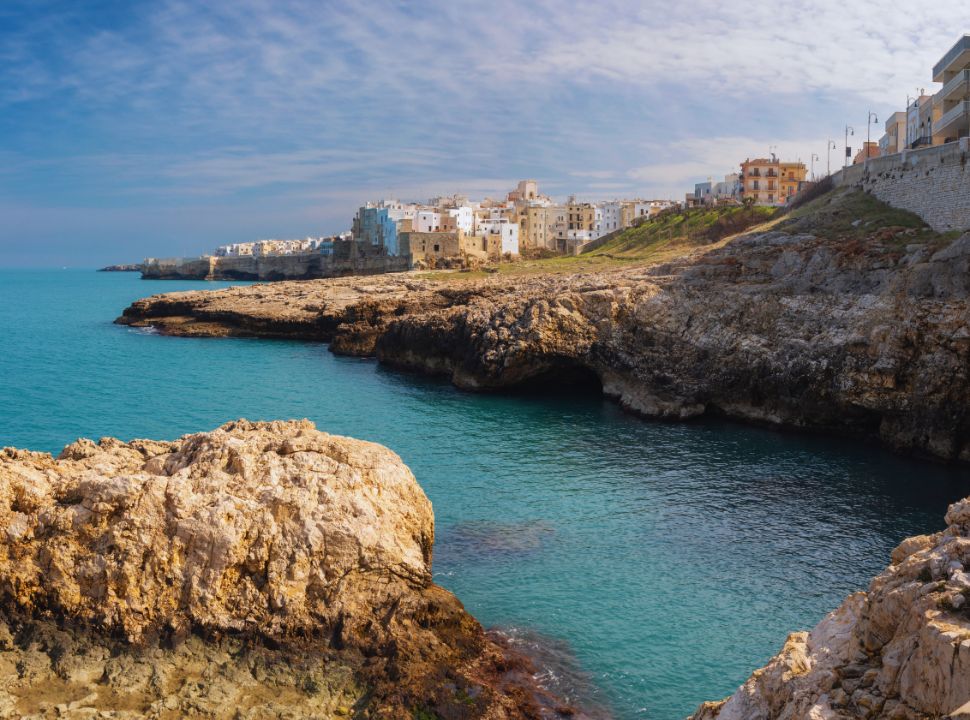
(963, 44)
(959, 81)
(926, 140)
(961, 111)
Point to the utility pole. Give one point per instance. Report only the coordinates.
(828, 156)
(849, 130)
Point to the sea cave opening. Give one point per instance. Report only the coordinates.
(558, 377)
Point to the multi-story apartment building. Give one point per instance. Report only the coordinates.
(768, 181)
(953, 100)
(894, 140)
(374, 226)
(607, 218)
(541, 225)
(580, 224)
(921, 115)
(940, 118)
(502, 231)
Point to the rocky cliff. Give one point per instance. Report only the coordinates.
(901, 650)
(822, 322)
(260, 570)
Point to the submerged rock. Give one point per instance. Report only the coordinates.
(260, 570)
(900, 650)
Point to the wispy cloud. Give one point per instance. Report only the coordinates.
(304, 103)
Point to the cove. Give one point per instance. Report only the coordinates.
(669, 560)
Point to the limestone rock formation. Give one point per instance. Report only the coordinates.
(899, 651)
(783, 327)
(264, 568)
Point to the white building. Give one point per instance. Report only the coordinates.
(427, 221)
(464, 218)
(607, 218)
(503, 227)
(649, 208)
(728, 188)
(398, 211)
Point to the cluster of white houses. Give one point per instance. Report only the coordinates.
(450, 228)
(268, 248)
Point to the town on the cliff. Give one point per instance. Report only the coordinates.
(454, 231)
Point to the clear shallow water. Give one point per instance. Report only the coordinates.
(670, 559)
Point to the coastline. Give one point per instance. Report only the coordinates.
(228, 579)
(791, 327)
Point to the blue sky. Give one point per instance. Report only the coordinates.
(168, 127)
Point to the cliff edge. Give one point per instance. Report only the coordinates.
(900, 650)
(846, 316)
(259, 570)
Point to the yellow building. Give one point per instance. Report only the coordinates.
(580, 216)
(768, 181)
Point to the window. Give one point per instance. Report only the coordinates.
(437, 248)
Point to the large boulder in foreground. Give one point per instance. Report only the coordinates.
(260, 570)
(899, 651)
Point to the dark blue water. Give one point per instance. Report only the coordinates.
(671, 560)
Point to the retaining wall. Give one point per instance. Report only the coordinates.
(932, 182)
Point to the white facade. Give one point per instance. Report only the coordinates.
(508, 230)
(464, 218)
(398, 211)
(427, 221)
(728, 188)
(649, 208)
(607, 218)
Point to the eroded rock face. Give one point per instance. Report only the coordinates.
(867, 338)
(256, 545)
(901, 650)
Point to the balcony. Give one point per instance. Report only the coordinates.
(958, 86)
(957, 58)
(955, 122)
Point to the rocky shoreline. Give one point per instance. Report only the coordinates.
(900, 650)
(865, 334)
(259, 570)
(128, 267)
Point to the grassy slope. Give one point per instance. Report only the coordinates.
(657, 240)
(853, 215)
(845, 214)
(698, 226)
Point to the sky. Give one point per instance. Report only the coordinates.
(161, 128)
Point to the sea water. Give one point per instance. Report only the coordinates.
(654, 565)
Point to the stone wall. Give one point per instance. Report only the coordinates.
(932, 182)
(274, 267)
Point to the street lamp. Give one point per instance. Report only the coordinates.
(814, 158)
(849, 130)
(828, 156)
(869, 123)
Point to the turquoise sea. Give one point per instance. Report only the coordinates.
(655, 565)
